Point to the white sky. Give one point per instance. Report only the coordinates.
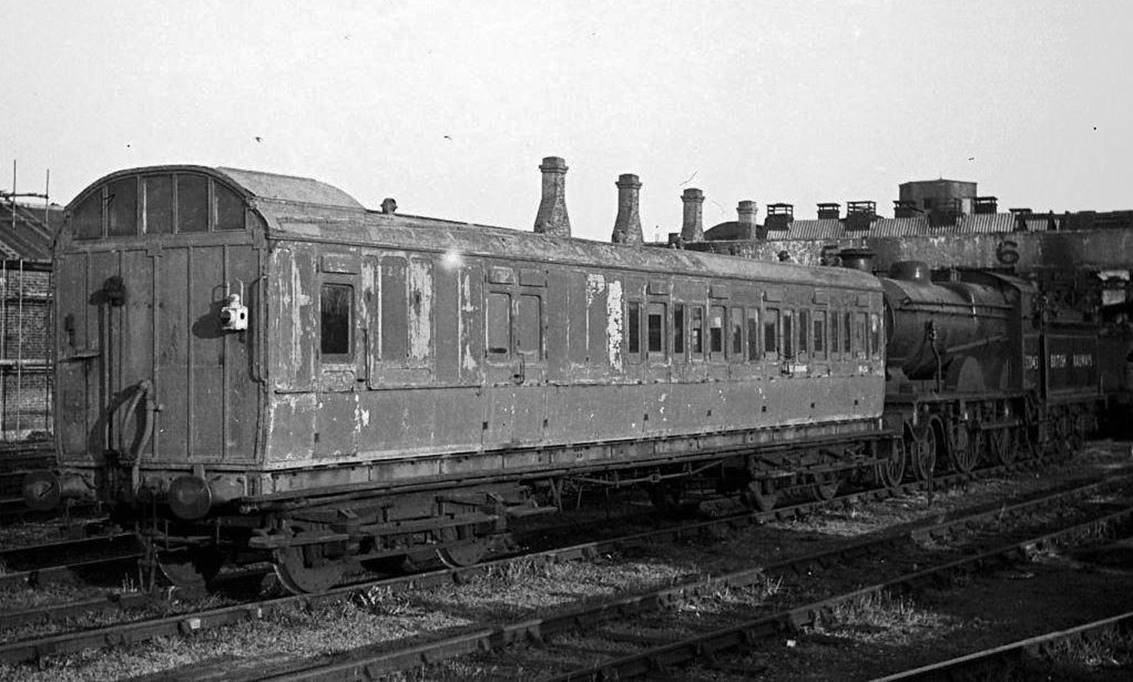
(449, 107)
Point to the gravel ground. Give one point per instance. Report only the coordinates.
(893, 625)
(882, 636)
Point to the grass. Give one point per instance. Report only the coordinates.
(882, 616)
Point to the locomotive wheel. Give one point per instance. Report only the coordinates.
(305, 570)
(761, 495)
(464, 554)
(962, 451)
(1002, 445)
(889, 473)
(1076, 439)
(923, 453)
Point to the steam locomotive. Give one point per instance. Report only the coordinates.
(256, 367)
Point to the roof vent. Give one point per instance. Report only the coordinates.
(829, 210)
(627, 225)
(389, 205)
(860, 214)
(905, 208)
(779, 217)
(552, 217)
(985, 205)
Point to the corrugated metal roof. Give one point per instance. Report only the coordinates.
(824, 228)
(290, 188)
(900, 227)
(1041, 223)
(985, 223)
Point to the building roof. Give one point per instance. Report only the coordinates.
(32, 234)
(900, 227)
(822, 228)
(986, 223)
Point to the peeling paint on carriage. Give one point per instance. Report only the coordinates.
(375, 365)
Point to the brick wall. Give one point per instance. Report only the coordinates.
(25, 352)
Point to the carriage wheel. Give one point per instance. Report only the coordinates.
(923, 453)
(961, 450)
(889, 472)
(666, 498)
(1002, 444)
(761, 495)
(826, 491)
(464, 554)
(189, 570)
(306, 569)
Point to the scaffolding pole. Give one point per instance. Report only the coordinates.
(10, 198)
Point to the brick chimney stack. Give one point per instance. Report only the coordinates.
(552, 217)
(745, 216)
(627, 226)
(692, 229)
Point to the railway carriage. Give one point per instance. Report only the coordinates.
(255, 366)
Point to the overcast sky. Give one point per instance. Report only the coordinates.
(449, 107)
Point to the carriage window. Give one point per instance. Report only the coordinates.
(633, 328)
(86, 222)
(229, 208)
(846, 333)
(679, 329)
(696, 330)
(820, 333)
(804, 332)
(655, 328)
(122, 207)
(192, 203)
(499, 324)
(771, 334)
(335, 303)
(716, 329)
(737, 333)
(859, 334)
(752, 334)
(159, 204)
(528, 326)
(875, 334)
(835, 332)
(788, 335)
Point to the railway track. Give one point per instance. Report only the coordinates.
(623, 634)
(32, 649)
(998, 662)
(24, 456)
(52, 562)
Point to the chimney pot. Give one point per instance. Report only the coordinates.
(627, 225)
(692, 228)
(552, 217)
(389, 205)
